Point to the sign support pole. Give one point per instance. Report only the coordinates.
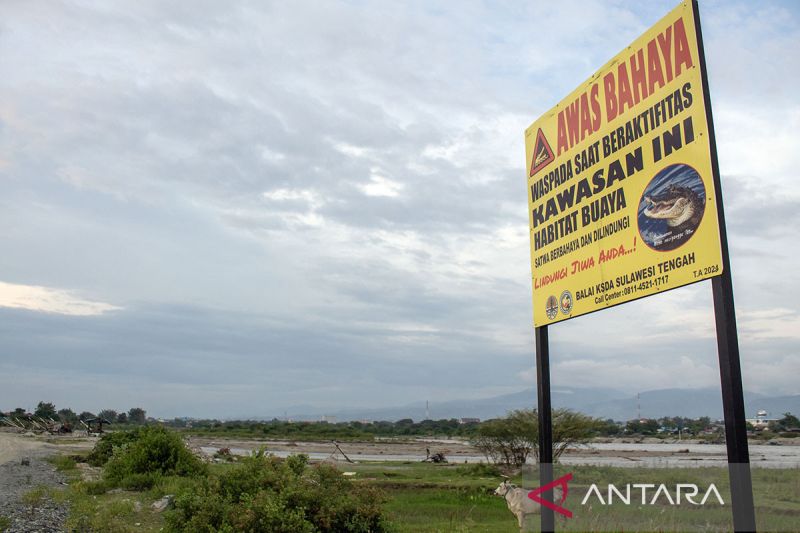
(728, 343)
(545, 424)
(733, 403)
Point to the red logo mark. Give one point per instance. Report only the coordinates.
(561, 482)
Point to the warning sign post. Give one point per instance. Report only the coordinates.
(625, 201)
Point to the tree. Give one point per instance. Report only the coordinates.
(608, 428)
(122, 418)
(46, 410)
(698, 424)
(569, 428)
(789, 421)
(512, 439)
(507, 440)
(67, 416)
(86, 415)
(642, 427)
(137, 415)
(108, 414)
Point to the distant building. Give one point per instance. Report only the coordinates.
(761, 421)
(469, 420)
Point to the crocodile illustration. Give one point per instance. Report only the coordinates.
(680, 207)
(540, 157)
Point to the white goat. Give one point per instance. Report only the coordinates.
(518, 501)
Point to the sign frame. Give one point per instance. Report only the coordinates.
(742, 506)
(621, 195)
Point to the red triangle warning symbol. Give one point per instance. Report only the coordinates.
(542, 153)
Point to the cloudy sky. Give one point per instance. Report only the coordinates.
(233, 208)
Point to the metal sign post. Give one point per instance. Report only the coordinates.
(545, 424)
(728, 343)
(733, 405)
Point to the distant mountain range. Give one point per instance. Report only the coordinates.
(599, 402)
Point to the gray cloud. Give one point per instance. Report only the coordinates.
(306, 202)
(276, 363)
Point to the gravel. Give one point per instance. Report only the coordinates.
(17, 479)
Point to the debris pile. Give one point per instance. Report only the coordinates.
(36, 424)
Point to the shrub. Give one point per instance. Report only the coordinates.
(297, 463)
(153, 453)
(63, 463)
(264, 493)
(94, 488)
(105, 447)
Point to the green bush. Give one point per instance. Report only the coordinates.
(105, 447)
(297, 463)
(154, 452)
(264, 493)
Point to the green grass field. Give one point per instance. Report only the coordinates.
(423, 497)
(433, 498)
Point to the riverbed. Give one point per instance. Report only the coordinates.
(658, 454)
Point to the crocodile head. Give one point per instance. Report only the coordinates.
(676, 205)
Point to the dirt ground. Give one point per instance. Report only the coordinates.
(23, 469)
(14, 445)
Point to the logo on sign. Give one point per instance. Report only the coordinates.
(551, 307)
(542, 153)
(566, 302)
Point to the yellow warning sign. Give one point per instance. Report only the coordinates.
(621, 196)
